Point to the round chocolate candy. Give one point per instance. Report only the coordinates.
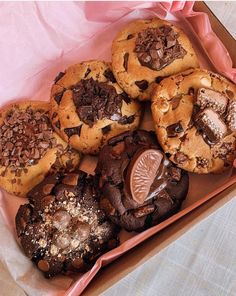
(139, 186)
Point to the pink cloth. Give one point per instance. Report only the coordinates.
(40, 39)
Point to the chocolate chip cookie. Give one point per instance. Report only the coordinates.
(62, 229)
(146, 51)
(88, 107)
(29, 148)
(195, 120)
(139, 186)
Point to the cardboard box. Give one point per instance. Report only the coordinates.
(125, 264)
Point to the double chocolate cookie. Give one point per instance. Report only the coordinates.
(29, 148)
(139, 186)
(146, 51)
(62, 228)
(88, 107)
(195, 120)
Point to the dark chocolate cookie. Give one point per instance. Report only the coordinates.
(195, 120)
(146, 51)
(62, 229)
(139, 186)
(89, 107)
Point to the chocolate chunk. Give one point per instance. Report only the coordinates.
(175, 101)
(126, 98)
(174, 129)
(96, 100)
(191, 91)
(125, 63)
(141, 173)
(175, 173)
(58, 97)
(211, 126)
(126, 119)
(70, 131)
(54, 115)
(142, 84)
(229, 94)
(130, 36)
(158, 47)
(106, 129)
(144, 211)
(109, 75)
(118, 149)
(144, 57)
(208, 98)
(70, 179)
(47, 188)
(170, 41)
(159, 79)
(87, 72)
(59, 76)
(58, 124)
(180, 157)
(231, 116)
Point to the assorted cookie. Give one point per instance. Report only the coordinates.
(146, 51)
(62, 229)
(139, 186)
(72, 218)
(195, 120)
(88, 107)
(29, 148)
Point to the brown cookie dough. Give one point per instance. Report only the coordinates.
(195, 120)
(62, 229)
(88, 107)
(139, 186)
(146, 51)
(29, 148)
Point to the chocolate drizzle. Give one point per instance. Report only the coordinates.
(158, 47)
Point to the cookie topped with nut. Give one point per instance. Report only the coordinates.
(29, 147)
(195, 120)
(62, 229)
(139, 186)
(88, 107)
(146, 51)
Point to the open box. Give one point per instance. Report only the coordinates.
(112, 273)
(209, 196)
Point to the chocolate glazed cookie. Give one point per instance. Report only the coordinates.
(139, 186)
(146, 51)
(195, 120)
(88, 107)
(62, 229)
